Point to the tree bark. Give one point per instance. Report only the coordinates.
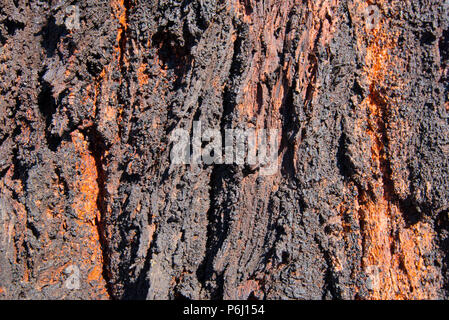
(92, 207)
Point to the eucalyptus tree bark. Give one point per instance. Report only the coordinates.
(91, 206)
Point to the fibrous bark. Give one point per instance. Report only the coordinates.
(359, 208)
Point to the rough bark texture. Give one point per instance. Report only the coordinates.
(358, 209)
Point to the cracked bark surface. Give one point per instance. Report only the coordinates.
(359, 208)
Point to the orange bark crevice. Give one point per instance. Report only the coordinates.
(120, 10)
(392, 251)
(85, 205)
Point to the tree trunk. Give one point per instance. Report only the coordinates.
(93, 207)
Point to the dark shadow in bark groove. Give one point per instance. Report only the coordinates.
(47, 107)
(51, 34)
(344, 163)
(290, 129)
(217, 230)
